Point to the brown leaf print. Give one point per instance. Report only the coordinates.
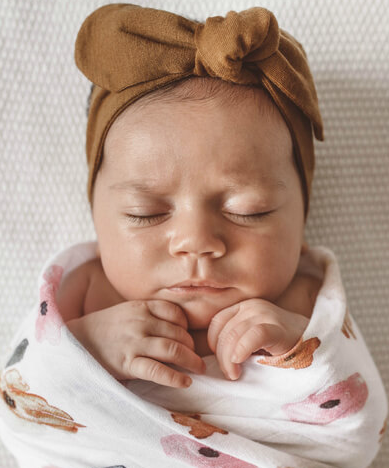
(199, 429)
(33, 407)
(382, 431)
(299, 357)
(347, 327)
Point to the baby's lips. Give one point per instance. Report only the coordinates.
(338, 401)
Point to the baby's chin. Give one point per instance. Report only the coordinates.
(200, 310)
(200, 313)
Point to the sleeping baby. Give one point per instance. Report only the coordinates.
(199, 238)
(200, 312)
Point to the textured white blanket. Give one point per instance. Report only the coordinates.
(322, 404)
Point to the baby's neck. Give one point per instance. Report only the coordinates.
(201, 343)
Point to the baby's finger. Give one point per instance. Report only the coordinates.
(217, 324)
(167, 350)
(148, 369)
(168, 311)
(226, 347)
(267, 336)
(169, 330)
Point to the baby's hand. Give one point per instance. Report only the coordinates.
(243, 328)
(130, 339)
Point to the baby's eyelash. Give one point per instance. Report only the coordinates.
(151, 218)
(251, 217)
(143, 219)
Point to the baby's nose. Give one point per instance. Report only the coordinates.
(197, 234)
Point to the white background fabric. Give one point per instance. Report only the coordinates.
(43, 204)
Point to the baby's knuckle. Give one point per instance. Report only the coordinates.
(126, 363)
(181, 334)
(173, 349)
(176, 309)
(260, 306)
(141, 307)
(156, 372)
(160, 304)
(241, 348)
(175, 312)
(229, 337)
(217, 319)
(259, 330)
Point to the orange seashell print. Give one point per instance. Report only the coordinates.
(347, 327)
(383, 429)
(33, 407)
(299, 357)
(199, 429)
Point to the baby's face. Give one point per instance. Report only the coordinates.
(177, 199)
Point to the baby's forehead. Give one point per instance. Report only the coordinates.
(200, 115)
(201, 91)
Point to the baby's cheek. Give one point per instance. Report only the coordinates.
(265, 266)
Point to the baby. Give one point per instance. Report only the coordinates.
(200, 329)
(199, 215)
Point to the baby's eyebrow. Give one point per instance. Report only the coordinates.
(233, 183)
(146, 185)
(236, 182)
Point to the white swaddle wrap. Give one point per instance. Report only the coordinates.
(322, 404)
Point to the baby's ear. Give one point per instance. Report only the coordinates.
(98, 251)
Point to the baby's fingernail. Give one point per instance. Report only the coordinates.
(187, 381)
(202, 368)
(235, 374)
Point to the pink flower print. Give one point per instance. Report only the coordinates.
(49, 320)
(338, 401)
(196, 454)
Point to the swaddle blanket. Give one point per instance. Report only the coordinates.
(322, 404)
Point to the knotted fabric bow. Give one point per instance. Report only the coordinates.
(128, 51)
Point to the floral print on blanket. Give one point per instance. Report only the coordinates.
(49, 321)
(299, 357)
(199, 429)
(196, 454)
(338, 401)
(18, 353)
(113, 466)
(32, 407)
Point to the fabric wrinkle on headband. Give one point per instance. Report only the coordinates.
(128, 51)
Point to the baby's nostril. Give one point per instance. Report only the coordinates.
(330, 404)
(208, 452)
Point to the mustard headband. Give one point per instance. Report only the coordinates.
(128, 51)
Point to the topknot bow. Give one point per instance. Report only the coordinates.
(231, 48)
(128, 51)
